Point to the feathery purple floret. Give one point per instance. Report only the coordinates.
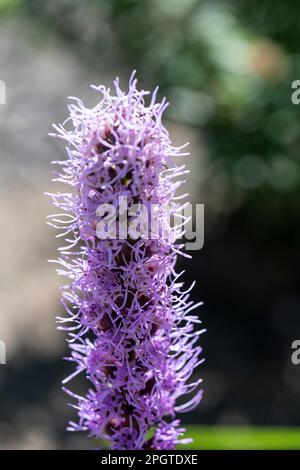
(129, 322)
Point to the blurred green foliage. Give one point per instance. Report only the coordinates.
(243, 438)
(227, 67)
(7, 6)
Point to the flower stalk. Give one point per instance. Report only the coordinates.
(129, 322)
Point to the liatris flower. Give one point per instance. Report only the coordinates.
(131, 331)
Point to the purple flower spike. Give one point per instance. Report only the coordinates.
(129, 323)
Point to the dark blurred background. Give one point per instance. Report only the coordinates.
(227, 68)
